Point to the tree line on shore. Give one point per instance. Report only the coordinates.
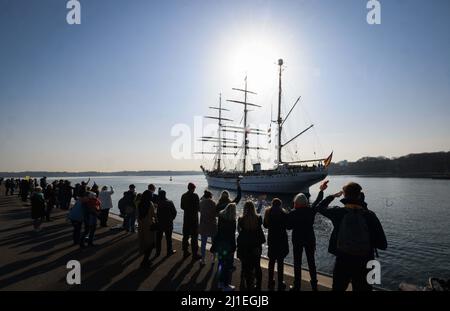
(436, 164)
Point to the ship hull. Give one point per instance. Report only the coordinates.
(274, 183)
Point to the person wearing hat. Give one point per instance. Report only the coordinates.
(190, 204)
(301, 222)
(356, 236)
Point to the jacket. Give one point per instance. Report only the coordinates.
(190, 204)
(337, 213)
(165, 214)
(301, 222)
(208, 218)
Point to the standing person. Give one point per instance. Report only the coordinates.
(165, 215)
(60, 194)
(43, 182)
(105, 204)
(37, 208)
(146, 230)
(225, 245)
(190, 204)
(357, 233)
(50, 200)
(25, 189)
(208, 222)
(225, 198)
(12, 186)
(129, 210)
(7, 186)
(249, 247)
(77, 215)
(90, 219)
(66, 195)
(95, 189)
(301, 222)
(275, 220)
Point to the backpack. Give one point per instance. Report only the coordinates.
(353, 237)
(122, 204)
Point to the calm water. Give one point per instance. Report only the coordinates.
(415, 214)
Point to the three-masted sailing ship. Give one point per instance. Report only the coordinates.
(284, 177)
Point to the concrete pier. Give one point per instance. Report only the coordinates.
(37, 261)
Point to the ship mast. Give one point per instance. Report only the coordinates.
(246, 130)
(279, 120)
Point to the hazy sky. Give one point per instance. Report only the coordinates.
(104, 95)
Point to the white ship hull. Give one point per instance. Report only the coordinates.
(289, 182)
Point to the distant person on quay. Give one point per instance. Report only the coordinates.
(37, 208)
(165, 215)
(146, 230)
(105, 204)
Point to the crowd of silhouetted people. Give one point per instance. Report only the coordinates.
(356, 236)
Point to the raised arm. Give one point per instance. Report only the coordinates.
(239, 193)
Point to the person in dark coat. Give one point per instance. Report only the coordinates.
(225, 198)
(129, 219)
(165, 215)
(352, 267)
(25, 189)
(50, 200)
(190, 204)
(225, 245)
(275, 220)
(249, 247)
(301, 222)
(37, 208)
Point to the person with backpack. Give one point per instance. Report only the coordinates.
(301, 222)
(127, 207)
(357, 234)
(165, 215)
(275, 220)
(190, 204)
(249, 247)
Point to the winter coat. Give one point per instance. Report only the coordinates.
(208, 218)
(336, 214)
(249, 242)
(37, 205)
(190, 204)
(105, 199)
(277, 238)
(223, 203)
(146, 236)
(77, 212)
(165, 214)
(301, 222)
(225, 239)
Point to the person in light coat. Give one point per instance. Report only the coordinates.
(146, 230)
(208, 222)
(105, 204)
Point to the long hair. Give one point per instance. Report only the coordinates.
(249, 219)
(224, 197)
(229, 213)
